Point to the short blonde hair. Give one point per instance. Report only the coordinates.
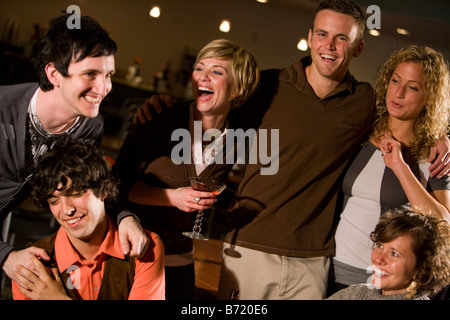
(434, 119)
(245, 70)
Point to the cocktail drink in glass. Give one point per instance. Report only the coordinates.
(208, 186)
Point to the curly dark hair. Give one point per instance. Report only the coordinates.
(430, 244)
(75, 161)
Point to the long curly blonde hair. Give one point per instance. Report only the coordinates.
(434, 119)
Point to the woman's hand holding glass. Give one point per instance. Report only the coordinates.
(206, 185)
(185, 199)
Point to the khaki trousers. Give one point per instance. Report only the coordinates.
(262, 276)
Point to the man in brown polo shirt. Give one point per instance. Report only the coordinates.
(283, 233)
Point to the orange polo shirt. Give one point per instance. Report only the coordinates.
(86, 276)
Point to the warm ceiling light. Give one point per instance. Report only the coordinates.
(403, 31)
(262, 1)
(302, 45)
(155, 12)
(224, 26)
(374, 32)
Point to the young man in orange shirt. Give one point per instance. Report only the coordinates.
(74, 69)
(87, 263)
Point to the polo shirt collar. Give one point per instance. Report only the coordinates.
(299, 77)
(66, 255)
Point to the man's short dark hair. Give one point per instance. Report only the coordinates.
(61, 44)
(71, 159)
(348, 7)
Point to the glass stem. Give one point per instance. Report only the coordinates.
(198, 222)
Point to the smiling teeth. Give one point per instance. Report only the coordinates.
(380, 272)
(92, 100)
(205, 89)
(73, 220)
(327, 56)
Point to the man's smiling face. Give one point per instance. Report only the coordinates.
(333, 42)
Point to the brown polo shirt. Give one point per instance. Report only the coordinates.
(291, 212)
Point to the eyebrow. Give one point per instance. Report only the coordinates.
(112, 71)
(401, 253)
(415, 81)
(320, 30)
(337, 35)
(214, 66)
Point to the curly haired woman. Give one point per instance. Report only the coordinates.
(391, 169)
(410, 259)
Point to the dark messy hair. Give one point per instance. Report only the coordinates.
(348, 7)
(61, 44)
(74, 161)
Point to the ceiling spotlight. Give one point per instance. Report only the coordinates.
(262, 1)
(403, 31)
(302, 45)
(225, 26)
(155, 12)
(374, 32)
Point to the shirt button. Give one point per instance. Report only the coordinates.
(96, 288)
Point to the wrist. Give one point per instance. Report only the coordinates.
(169, 196)
(4, 263)
(5, 250)
(400, 169)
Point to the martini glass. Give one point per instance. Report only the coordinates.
(208, 186)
